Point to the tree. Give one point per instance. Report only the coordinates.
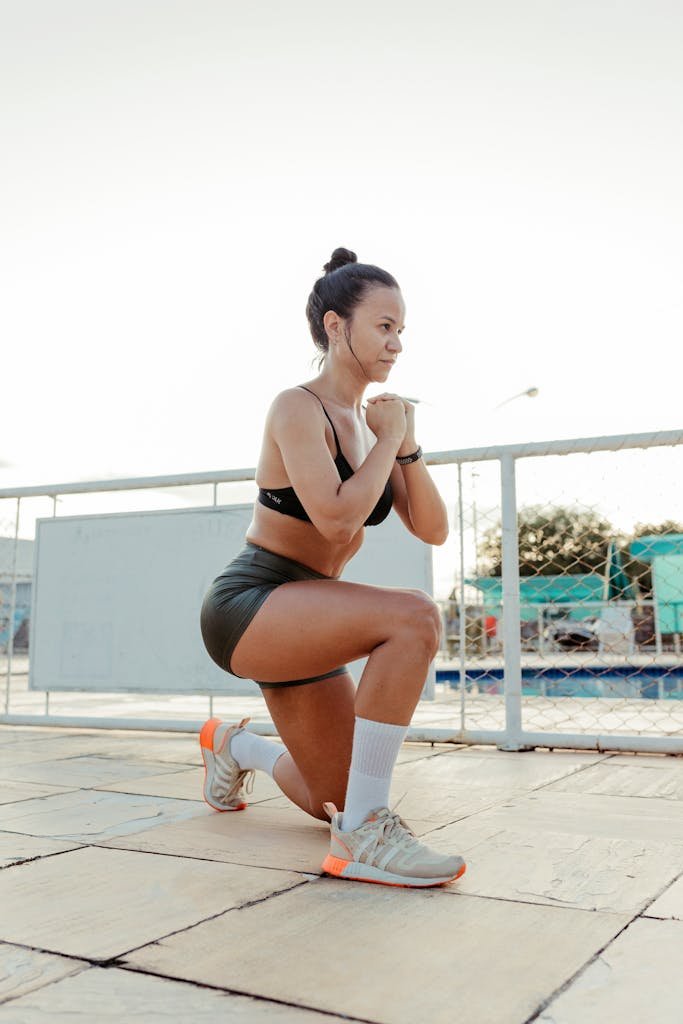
(552, 540)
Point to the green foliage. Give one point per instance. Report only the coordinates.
(556, 539)
(651, 529)
(552, 540)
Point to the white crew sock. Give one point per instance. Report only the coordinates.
(375, 749)
(251, 751)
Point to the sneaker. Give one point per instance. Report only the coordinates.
(223, 777)
(383, 849)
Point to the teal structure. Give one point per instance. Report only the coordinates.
(536, 590)
(665, 552)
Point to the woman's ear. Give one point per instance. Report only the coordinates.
(333, 325)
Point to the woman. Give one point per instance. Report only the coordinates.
(280, 615)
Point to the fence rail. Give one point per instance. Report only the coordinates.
(521, 686)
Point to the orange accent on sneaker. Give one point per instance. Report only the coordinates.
(206, 737)
(207, 733)
(334, 865)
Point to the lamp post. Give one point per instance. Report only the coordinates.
(529, 393)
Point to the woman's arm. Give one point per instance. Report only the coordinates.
(337, 510)
(416, 497)
(419, 503)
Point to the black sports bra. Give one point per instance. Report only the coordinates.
(284, 499)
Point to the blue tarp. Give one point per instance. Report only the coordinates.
(19, 615)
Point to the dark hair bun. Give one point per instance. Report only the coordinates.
(340, 257)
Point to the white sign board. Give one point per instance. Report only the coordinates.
(116, 598)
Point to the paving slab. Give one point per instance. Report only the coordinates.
(98, 903)
(513, 772)
(187, 784)
(15, 848)
(419, 751)
(648, 760)
(180, 748)
(441, 804)
(85, 771)
(594, 873)
(23, 734)
(174, 748)
(283, 837)
(116, 996)
(23, 970)
(13, 792)
(669, 904)
(86, 815)
(623, 779)
(51, 748)
(395, 957)
(637, 979)
(614, 817)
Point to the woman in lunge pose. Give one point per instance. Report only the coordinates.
(279, 614)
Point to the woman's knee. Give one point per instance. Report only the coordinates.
(421, 620)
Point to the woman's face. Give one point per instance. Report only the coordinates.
(374, 331)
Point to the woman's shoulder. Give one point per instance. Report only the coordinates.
(292, 403)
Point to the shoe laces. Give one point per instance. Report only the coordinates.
(244, 778)
(391, 827)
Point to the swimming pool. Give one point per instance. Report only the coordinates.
(655, 682)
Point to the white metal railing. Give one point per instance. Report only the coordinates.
(512, 735)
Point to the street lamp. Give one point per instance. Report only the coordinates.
(529, 393)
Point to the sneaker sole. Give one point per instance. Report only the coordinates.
(206, 744)
(356, 872)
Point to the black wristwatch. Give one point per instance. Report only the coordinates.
(405, 460)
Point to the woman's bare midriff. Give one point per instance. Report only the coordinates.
(300, 541)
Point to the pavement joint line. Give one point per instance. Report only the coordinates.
(661, 892)
(212, 917)
(63, 791)
(634, 796)
(463, 817)
(532, 903)
(86, 966)
(570, 981)
(48, 952)
(203, 860)
(133, 969)
(40, 856)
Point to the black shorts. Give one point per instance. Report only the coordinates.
(235, 596)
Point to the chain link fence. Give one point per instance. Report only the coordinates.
(15, 587)
(600, 561)
(564, 619)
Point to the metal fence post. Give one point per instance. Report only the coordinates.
(463, 614)
(12, 608)
(511, 635)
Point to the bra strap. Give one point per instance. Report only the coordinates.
(336, 439)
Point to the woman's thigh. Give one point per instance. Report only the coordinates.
(310, 627)
(315, 722)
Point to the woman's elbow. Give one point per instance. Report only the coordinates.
(337, 531)
(343, 534)
(436, 537)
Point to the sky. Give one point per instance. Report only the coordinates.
(175, 175)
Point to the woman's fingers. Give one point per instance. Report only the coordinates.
(386, 396)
